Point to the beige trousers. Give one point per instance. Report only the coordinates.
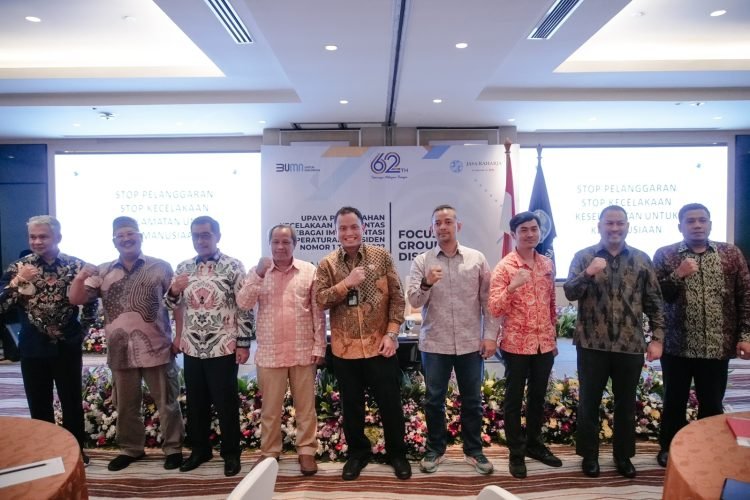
(273, 385)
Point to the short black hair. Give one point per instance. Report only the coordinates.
(617, 208)
(348, 210)
(692, 206)
(444, 207)
(205, 219)
(292, 232)
(521, 218)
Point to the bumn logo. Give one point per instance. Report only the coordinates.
(290, 167)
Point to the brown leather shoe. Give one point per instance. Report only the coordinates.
(307, 465)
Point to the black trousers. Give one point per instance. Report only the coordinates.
(710, 376)
(383, 376)
(64, 372)
(594, 369)
(518, 369)
(10, 348)
(212, 381)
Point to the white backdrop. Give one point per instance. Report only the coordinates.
(395, 188)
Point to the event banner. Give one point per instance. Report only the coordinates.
(395, 188)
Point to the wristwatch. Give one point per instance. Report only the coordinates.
(393, 336)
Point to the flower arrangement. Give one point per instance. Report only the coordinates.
(95, 341)
(566, 321)
(559, 427)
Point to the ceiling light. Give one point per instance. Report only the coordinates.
(179, 124)
(638, 13)
(717, 117)
(343, 101)
(76, 124)
(130, 19)
(715, 13)
(332, 47)
(262, 122)
(511, 119)
(437, 101)
(34, 19)
(462, 45)
(592, 119)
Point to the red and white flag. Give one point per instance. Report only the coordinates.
(509, 204)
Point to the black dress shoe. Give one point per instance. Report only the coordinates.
(590, 467)
(232, 466)
(401, 467)
(545, 456)
(625, 468)
(173, 461)
(662, 457)
(353, 467)
(194, 460)
(517, 467)
(122, 461)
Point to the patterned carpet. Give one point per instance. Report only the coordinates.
(455, 479)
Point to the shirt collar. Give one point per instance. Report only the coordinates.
(683, 247)
(600, 248)
(140, 258)
(215, 257)
(438, 250)
(342, 253)
(295, 265)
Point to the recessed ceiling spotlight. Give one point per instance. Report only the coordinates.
(437, 101)
(262, 122)
(179, 124)
(331, 48)
(343, 101)
(592, 119)
(76, 124)
(462, 45)
(717, 117)
(511, 119)
(718, 13)
(33, 19)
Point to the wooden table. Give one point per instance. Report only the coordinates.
(701, 456)
(24, 441)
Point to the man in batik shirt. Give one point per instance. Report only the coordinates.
(139, 342)
(360, 286)
(215, 339)
(706, 288)
(51, 335)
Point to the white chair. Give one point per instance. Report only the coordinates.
(493, 492)
(259, 482)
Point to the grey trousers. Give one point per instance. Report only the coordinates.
(127, 395)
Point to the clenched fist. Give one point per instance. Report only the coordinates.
(27, 272)
(356, 276)
(687, 267)
(264, 264)
(596, 266)
(434, 274)
(522, 277)
(179, 284)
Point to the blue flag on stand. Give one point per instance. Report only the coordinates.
(539, 204)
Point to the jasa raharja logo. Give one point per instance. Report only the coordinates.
(387, 164)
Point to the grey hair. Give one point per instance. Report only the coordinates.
(46, 220)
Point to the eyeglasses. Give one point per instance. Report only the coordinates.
(125, 236)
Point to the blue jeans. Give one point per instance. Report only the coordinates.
(469, 370)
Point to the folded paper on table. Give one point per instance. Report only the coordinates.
(740, 427)
(29, 472)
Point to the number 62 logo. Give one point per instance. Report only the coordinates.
(386, 163)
